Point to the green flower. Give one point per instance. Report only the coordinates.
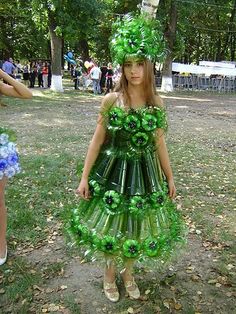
(137, 205)
(140, 139)
(157, 199)
(81, 233)
(132, 123)
(131, 248)
(94, 187)
(137, 36)
(149, 122)
(151, 247)
(116, 116)
(112, 200)
(108, 244)
(160, 114)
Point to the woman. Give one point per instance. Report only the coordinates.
(45, 75)
(9, 165)
(127, 185)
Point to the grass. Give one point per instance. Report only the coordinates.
(53, 133)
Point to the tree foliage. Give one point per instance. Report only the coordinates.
(206, 29)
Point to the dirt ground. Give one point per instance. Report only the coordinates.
(192, 285)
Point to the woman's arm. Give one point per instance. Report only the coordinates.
(163, 156)
(94, 149)
(14, 89)
(92, 154)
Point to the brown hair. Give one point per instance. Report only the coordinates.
(149, 86)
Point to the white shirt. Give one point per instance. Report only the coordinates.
(95, 73)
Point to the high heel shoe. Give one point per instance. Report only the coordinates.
(111, 291)
(3, 260)
(131, 287)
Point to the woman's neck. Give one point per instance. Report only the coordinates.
(136, 94)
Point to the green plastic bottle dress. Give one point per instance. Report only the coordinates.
(129, 214)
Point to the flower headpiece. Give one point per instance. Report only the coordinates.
(138, 36)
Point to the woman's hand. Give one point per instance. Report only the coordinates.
(172, 189)
(83, 189)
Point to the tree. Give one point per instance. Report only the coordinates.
(63, 19)
(170, 35)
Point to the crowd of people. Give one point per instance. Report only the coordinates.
(34, 73)
(101, 78)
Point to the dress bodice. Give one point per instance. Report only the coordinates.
(134, 129)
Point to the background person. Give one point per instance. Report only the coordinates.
(9, 162)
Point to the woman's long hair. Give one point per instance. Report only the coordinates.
(149, 86)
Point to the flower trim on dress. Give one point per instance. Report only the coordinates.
(137, 205)
(145, 119)
(112, 200)
(151, 246)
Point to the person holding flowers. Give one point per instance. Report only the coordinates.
(126, 213)
(9, 161)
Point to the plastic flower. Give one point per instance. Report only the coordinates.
(115, 117)
(161, 117)
(137, 205)
(94, 187)
(112, 200)
(157, 199)
(81, 233)
(132, 123)
(131, 248)
(138, 36)
(151, 247)
(140, 139)
(149, 122)
(108, 244)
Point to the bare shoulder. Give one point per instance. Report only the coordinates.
(109, 100)
(159, 101)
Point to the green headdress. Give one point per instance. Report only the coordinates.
(138, 36)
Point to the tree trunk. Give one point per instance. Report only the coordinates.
(150, 7)
(170, 34)
(56, 50)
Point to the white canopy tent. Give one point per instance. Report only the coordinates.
(206, 67)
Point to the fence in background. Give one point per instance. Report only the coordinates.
(224, 84)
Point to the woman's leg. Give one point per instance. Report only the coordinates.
(110, 270)
(109, 283)
(128, 278)
(3, 218)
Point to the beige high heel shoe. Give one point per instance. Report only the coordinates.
(131, 287)
(110, 288)
(111, 291)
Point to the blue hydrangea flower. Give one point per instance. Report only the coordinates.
(4, 151)
(12, 159)
(3, 164)
(10, 172)
(4, 138)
